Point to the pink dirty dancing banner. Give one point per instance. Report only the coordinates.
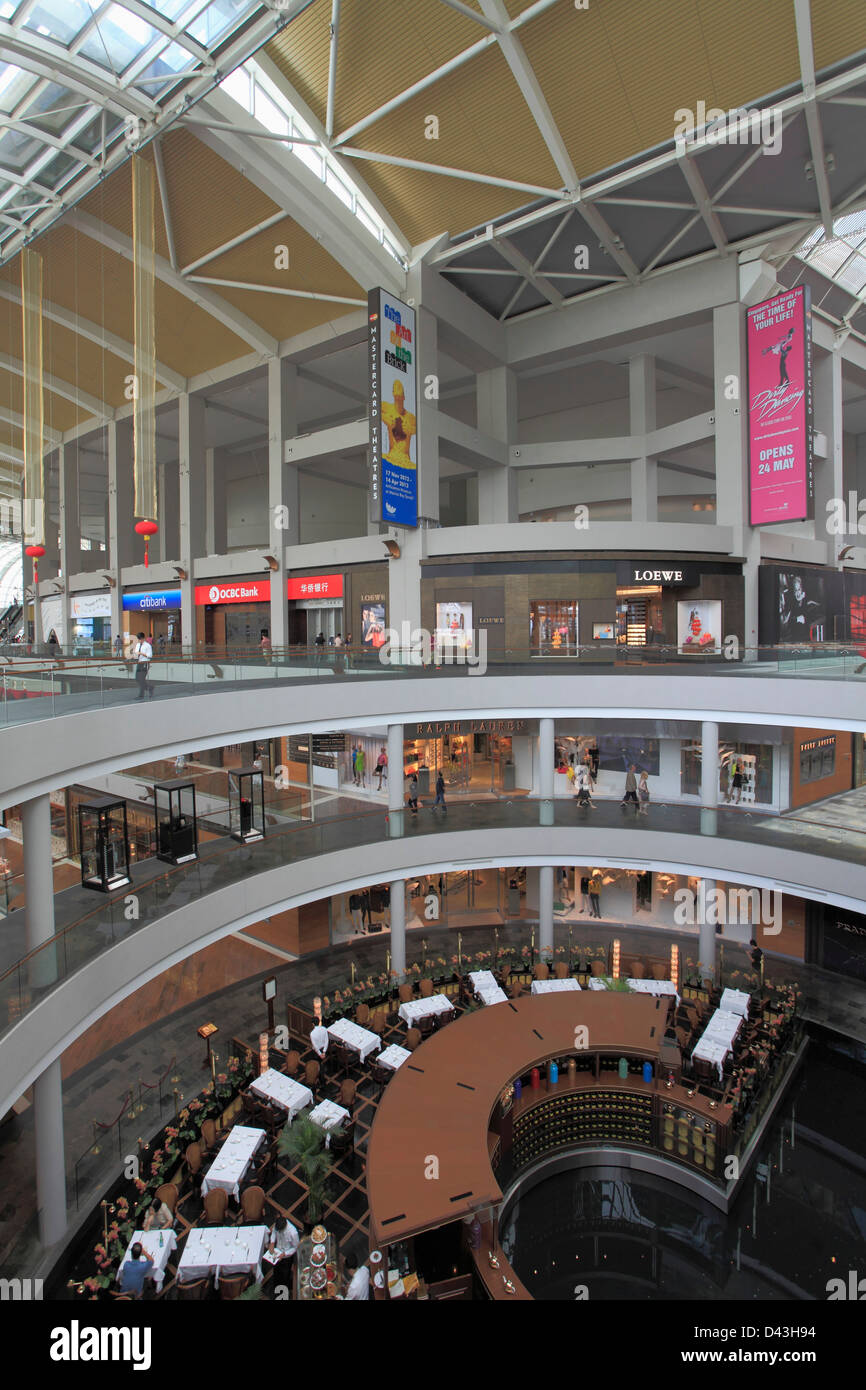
(779, 342)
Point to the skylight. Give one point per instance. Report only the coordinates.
(841, 257)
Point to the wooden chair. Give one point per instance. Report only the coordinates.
(169, 1194)
(560, 970)
(311, 1075)
(192, 1158)
(661, 972)
(381, 1076)
(426, 1025)
(597, 968)
(252, 1206)
(638, 970)
(405, 994)
(413, 1038)
(193, 1291)
(258, 1174)
(343, 1140)
(362, 1015)
(347, 1094)
(541, 971)
(378, 1023)
(233, 1285)
(214, 1207)
(251, 1107)
(292, 1063)
(425, 989)
(209, 1135)
(515, 989)
(344, 1057)
(442, 1019)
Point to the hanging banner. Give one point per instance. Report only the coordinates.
(779, 342)
(393, 409)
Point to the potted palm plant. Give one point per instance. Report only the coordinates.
(303, 1143)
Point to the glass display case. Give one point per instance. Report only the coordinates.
(104, 843)
(246, 804)
(318, 1267)
(176, 829)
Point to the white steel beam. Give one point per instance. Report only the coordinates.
(163, 198)
(235, 241)
(527, 270)
(234, 319)
(803, 18)
(275, 289)
(471, 175)
(332, 66)
(327, 441)
(703, 202)
(101, 409)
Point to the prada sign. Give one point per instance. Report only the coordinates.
(669, 576)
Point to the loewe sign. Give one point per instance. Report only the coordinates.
(647, 573)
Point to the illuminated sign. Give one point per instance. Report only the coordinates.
(234, 591)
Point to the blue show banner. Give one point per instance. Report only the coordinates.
(153, 600)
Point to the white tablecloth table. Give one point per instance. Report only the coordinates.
(419, 1008)
(553, 986)
(717, 1038)
(283, 1091)
(393, 1057)
(654, 987)
(329, 1116)
(149, 1242)
(482, 979)
(222, 1250)
(492, 995)
(597, 982)
(231, 1163)
(359, 1039)
(735, 1001)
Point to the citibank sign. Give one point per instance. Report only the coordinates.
(154, 598)
(239, 591)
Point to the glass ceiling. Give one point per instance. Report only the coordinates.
(841, 257)
(73, 73)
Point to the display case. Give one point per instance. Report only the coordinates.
(318, 1267)
(176, 829)
(246, 804)
(104, 841)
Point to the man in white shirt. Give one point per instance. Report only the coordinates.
(319, 1040)
(359, 1280)
(283, 1242)
(143, 656)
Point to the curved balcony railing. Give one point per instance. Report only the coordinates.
(223, 863)
(36, 688)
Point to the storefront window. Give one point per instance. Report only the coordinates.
(754, 762)
(553, 628)
(817, 759)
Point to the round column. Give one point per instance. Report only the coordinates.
(706, 930)
(545, 912)
(395, 781)
(398, 926)
(545, 771)
(709, 776)
(39, 889)
(50, 1161)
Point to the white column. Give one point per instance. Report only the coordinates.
(828, 471)
(546, 770)
(404, 588)
(284, 505)
(732, 459)
(50, 1156)
(398, 926)
(70, 521)
(191, 493)
(39, 888)
(545, 911)
(496, 414)
(395, 781)
(642, 419)
(709, 776)
(706, 930)
(428, 415)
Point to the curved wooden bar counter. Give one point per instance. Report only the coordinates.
(449, 1128)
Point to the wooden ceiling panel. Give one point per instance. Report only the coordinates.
(838, 29)
(282, 316)
(111, 202)
(424, 203)
(310, 266)
(744, 72)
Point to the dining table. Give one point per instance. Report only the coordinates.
(232, 1161)
(641, 986)
(420, 1008)
(328, 1115)
(717, 1039)
(735, 1001)
(222, 1250)
(283, 1091)
(393, 1057)
(358, 1039)
(157, 1245)
(554, 986)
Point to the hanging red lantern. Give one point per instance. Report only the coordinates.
(146, 529)
(35, 552)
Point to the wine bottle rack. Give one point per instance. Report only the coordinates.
(592, 1117)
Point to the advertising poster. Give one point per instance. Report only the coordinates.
(779, 342)
(602, 632)
(393, 410)
(802, 603)
(373, 625)
(454, 625)
(699, 625)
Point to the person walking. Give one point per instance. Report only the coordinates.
(585, 904)
(356, 907)
(381, 766)
(360, 764)
(736, 789)
(143, 657)
(582, 782)
(630, 788)
(440, 793)
(413, 794)
(595, 894)
(643, 795)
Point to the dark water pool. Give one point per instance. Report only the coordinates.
(799, 1222)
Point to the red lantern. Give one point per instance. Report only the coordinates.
(35, 552)
(146, 529)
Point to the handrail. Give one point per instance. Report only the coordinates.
(328, 836)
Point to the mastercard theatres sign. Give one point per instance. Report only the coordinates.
(235, 591)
